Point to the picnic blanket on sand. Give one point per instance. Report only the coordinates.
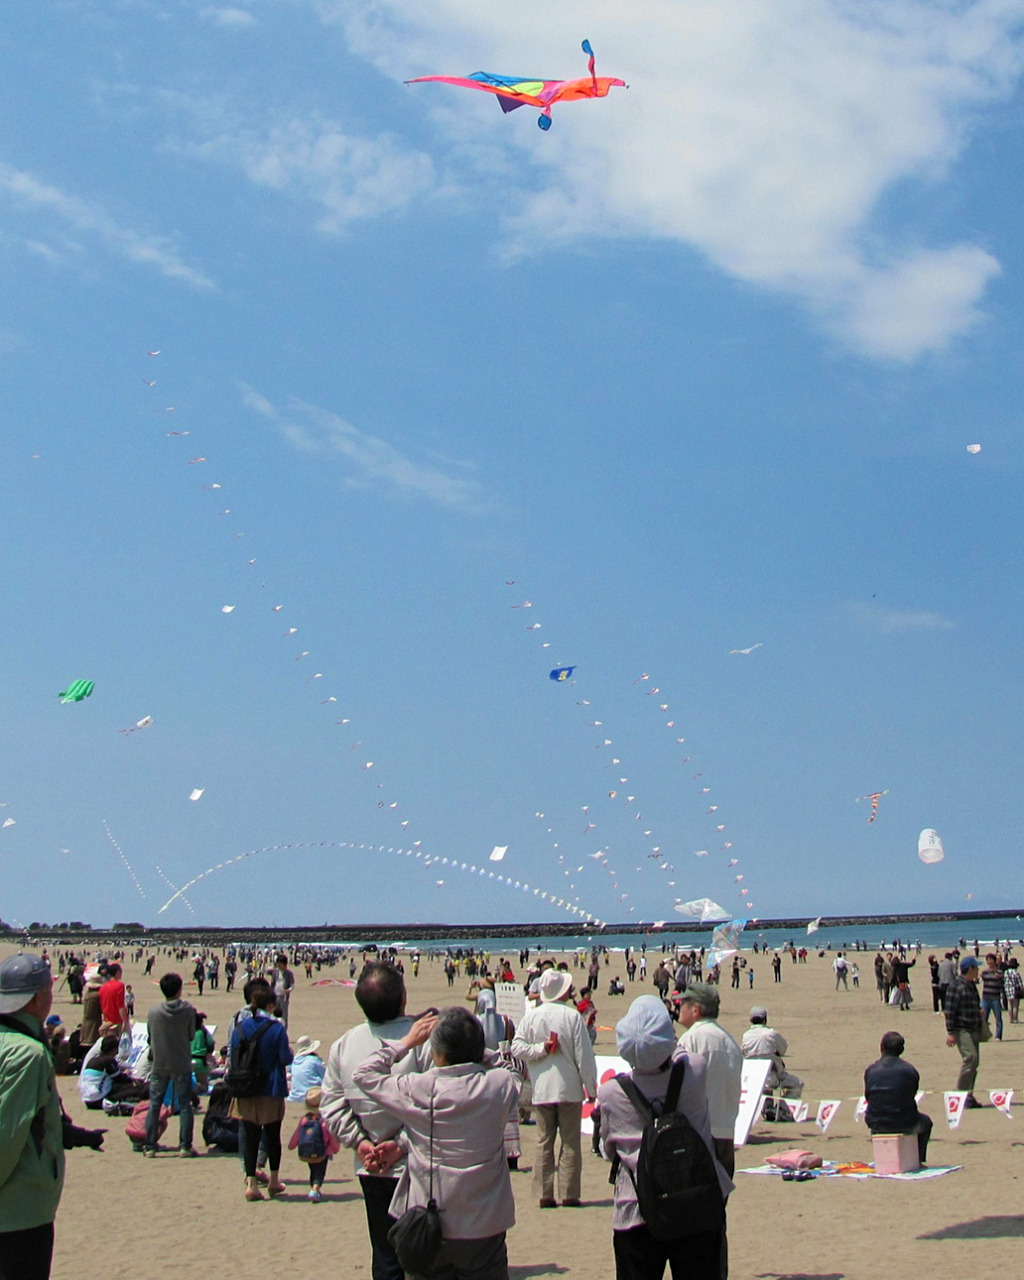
(856, 1169)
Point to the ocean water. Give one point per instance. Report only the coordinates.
(932, 934)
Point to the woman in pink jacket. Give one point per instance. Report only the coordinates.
(466, 1103)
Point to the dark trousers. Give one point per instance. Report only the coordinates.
(638, 1256)
(483, 1259)
(26, 1255)
(253, 1134)
(377, 1193)
(317, 1172)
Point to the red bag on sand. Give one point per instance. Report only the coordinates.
(136, 1126)
(794, 1159)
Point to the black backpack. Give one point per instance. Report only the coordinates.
(676, 1181)
(246, 1077)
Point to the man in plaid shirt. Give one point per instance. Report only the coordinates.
(963, 1024)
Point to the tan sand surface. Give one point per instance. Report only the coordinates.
(126, 1218)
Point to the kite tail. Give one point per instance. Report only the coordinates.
(590, 64)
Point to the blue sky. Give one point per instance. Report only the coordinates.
(694, 371)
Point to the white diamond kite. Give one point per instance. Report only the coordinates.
(703, 909)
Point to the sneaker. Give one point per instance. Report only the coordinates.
(149, 1153)
(549, 1204)
(315, 1195)
(187, 1152)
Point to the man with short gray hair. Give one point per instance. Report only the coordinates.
(698, 1011)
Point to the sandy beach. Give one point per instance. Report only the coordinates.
(123, 1217)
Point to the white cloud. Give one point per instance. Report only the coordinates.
(876, 617)
(349, 177)
(370, 461)
(227, 17)
(87, 218)
(762, 135)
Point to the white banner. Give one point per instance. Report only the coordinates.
(510, 1000)
(1001, 1099)
(755, 1073)
(826, 1113)
(955, 1103)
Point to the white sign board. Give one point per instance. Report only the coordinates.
(754, 1074)
(510, 1000)
(607, 1067)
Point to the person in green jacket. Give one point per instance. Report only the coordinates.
(31, 1131)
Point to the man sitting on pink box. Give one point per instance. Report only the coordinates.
(890, 1087)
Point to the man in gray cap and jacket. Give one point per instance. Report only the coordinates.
(31, 1140)
(698, 1009)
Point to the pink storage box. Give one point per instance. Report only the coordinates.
(895, 1152)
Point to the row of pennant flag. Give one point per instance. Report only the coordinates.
(955, 1105)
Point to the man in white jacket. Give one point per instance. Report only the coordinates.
(552, 1040)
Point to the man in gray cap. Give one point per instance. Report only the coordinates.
(963, 1025)
(31, 1140)
(698, 1009)
(763, 1041)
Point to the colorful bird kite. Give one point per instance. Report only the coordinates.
(874, 797)
(76, 691)
(518, 91)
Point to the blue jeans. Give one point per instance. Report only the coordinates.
(993, 1004)
(158, 1083)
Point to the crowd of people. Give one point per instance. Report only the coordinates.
(432, 1105)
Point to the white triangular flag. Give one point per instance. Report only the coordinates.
(1001, 1099)
(826, 1113)
(860, 1109)
(955, 1103)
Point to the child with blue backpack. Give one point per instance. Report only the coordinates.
(314, 1143)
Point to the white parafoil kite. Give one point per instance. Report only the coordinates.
(703, 909)
(814, 925)
(929, 846)
(725, 942)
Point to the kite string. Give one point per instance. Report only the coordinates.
(171, 885)
(429, 860)
(128, 865)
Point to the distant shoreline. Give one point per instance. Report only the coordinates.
(77, 932)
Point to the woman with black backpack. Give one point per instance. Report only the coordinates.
(258, 1082)
(670, 1190)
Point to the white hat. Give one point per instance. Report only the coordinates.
(554, 984)
(304, 1045)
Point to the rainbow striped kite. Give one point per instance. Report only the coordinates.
(517, 91)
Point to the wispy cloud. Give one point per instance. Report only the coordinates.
(370, 462)
(877, 617)
(89, 219)
(764, 136)
(311, 158)
(224, 16)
